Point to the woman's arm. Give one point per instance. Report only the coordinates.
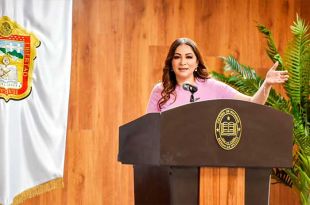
(272, 77)
(154, 98)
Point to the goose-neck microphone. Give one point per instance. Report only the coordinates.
(190, 88)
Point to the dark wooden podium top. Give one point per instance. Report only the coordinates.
(185, 136)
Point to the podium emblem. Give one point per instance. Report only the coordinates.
(17, 54)
(228, 129)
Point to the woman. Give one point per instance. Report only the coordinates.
(184, 64)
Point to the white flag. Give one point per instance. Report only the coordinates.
(35, 62)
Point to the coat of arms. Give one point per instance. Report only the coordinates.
(17, 54)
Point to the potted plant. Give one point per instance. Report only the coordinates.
(295, 101)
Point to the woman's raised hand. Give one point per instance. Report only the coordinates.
(276, 77)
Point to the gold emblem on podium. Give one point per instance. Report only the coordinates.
(17, 54)
(228, 129)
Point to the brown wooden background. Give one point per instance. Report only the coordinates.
(119, 48)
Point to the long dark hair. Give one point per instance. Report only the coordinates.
(169, 80)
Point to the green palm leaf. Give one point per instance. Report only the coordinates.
(246, 72)
(281, 176)
(245, 80)
(297, 61)
(271, 50)
(300, 136)
(299, 175)
(297, 64)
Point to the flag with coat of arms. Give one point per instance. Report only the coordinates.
(35, 63)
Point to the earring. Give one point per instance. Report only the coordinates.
(196, 70)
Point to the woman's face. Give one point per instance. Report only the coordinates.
(184, 63)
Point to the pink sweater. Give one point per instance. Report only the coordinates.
(209, 89)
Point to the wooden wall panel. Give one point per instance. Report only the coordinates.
(222, 186)
(119, 47)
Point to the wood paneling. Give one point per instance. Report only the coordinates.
(119, 47)
(222, 186)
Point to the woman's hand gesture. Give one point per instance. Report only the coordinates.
(276, 77)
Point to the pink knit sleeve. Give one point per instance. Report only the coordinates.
(223, 90)
(154, 98)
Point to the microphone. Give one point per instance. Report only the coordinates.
(190, 88)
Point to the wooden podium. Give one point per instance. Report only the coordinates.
(167, 149)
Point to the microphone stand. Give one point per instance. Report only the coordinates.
(192, 99)
(192, 89)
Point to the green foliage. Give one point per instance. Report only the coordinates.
(271, 50)
(281, 176)
(296, 61)
(300, 175)
(245, 80)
